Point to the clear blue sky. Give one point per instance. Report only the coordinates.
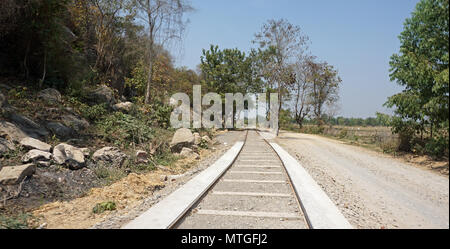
(356, 36)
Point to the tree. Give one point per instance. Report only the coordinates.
(422, 67)
(301, 90)
(325, 87)
(227, 71)
(282, 43)
(164, 19)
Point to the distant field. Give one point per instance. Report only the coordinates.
(378, 136)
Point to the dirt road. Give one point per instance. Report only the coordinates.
(371, 189)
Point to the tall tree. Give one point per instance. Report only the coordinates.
(422, 67)
(283, 43)
(325, 87)
(164, 19)
(301, 90)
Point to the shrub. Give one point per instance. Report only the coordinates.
(437, 147)
(19, 221)
(389, 146)
(93, 112)
(343, 133)
(122, 129)
(104, 206)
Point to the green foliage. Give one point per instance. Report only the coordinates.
(422, 67)
(138, 79)
(437, 147)
(228, 70)
(93, 113)
(123, 129)
(104, 206)
(160, 115)
(19, 221)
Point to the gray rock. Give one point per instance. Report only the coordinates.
(50, 95)
(3, 101)
(75, 122)
(110, 155)
(36, 155)
(186, 152)
(197, 138)
(60, 130)
(12, 175)
(31, 143)
(5, 146)
(11, 132)
(123, 107)
(182, 138)
(27, 125)
(73, 157)
(44, 164)
(102, 94)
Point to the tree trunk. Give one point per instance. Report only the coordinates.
(150, 58)
(41, 82)
(279, 110)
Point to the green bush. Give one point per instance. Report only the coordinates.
(93, 112)
(160, 115)
(123, 129)
(19, 221)
(104, 206)
(437, 147)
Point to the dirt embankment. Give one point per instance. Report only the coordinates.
(373, 190)
(132, 194)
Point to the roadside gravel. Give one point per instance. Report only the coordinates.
(372, 190)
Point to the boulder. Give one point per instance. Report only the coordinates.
(12, 175)
(182, 138)
(36, 155)
(3, 101)
(123, 107)
(31, 143)
(31, 128)
(73, 157)
(186, 152)
(197, 138)
(11, 131)
(110, 155)
(101, 95)
(59, 129)
(50, 95)
(5, 146)
(75, 122)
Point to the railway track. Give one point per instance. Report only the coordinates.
(255, 192)
(250, 187)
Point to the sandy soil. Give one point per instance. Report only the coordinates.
(373, 190)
